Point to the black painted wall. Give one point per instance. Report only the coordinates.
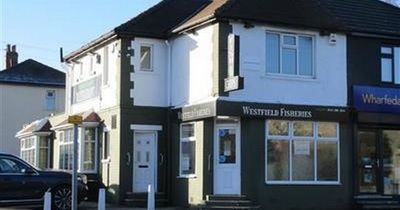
(364, 62)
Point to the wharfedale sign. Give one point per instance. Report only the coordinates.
(376, 99)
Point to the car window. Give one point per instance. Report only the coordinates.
(10, 166)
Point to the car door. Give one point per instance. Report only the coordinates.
(18, 181)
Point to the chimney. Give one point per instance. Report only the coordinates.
(11, 56)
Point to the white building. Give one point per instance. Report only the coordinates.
(28, 91)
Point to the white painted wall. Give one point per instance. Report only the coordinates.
(328, 88)
(108, 93)
(192, 66)
(21, 105)
(150, 87)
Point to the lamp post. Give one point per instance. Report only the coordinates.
(76, 120)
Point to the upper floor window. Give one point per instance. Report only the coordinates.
(290, 54)
(390, 72)
(51, 100)
(146, 58)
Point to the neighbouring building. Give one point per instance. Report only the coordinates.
(241, 103)
(28, 91)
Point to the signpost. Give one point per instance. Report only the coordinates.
(76, 120)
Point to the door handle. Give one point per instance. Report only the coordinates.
(209, 162)
(161, 159)
(128, 157)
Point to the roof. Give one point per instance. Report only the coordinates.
(42, 125)
(367, 16)
(87, 117)
(33, 73)
(156, 22)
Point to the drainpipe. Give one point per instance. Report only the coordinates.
(169, 73)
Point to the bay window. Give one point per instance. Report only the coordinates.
(35, 150)
(187, 150)
(289, 54)
(87, 149)
(302, 152)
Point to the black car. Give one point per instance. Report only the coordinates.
(24, 184)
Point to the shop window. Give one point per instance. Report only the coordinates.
(187, 150)
(302, 152)
(289, 54)
(390, 64)
(146, 58)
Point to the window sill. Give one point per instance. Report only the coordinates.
(301, 183)
(191, 176)
(290, 78)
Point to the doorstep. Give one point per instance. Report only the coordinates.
(93, 206)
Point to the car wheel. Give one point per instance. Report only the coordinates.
(61, 197)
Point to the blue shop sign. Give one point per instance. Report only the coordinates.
(376, 99)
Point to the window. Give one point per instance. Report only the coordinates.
(28, 146)
(89, 153)
(87, 149)
(390, 64)
(51, 100)
(146, 58)
(106, 145)
(66, 149)
(10, 166)
(44, 152)
(289, 54)
(302, 152)
(187, 150)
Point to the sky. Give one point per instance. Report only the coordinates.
(40, 27)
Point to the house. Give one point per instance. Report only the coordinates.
(28, 90)
(239, 102)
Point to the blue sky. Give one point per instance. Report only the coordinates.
(40, 27)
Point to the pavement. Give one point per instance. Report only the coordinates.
(90, 206)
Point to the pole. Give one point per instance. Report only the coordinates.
(74, 170)
(47, 201)
(102, 199)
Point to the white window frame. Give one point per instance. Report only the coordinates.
(41, 147)
(81, 148)
(315, 140)
(32, 148)
(151, 69)
(296, 46)
(186, 139)
(64, 143)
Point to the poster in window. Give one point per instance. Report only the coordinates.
(301, 148)
(227, 148)
(185, 163)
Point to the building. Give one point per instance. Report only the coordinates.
(29, 90)
(242, 102)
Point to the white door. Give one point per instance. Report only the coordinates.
(145, 161)
(227, 160)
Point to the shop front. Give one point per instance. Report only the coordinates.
(377, 134)
(263, 154)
